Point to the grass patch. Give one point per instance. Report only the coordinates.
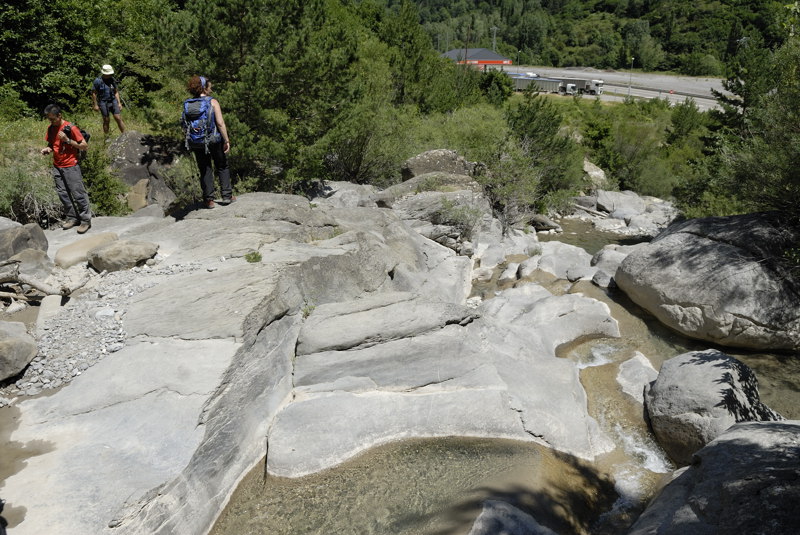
(253, 257)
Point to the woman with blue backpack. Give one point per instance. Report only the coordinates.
(207, 137)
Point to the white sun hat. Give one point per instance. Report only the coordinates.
(107, 69)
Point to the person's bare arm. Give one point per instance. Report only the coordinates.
(71, 142)
(119, 100)
(221, 125)
(95, 106)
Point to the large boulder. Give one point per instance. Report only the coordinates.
(344, 194)
(697, 396)
(78, 251)
(719, 279)
(427, 182)
(33, 263)
(594, 175)
(121, 254)
(620, 204)
(563, 260)
(17, 348)
(6, 223)
(448, 218)
(141, 161)
(745, 481)
(17, 238)
(438, 160)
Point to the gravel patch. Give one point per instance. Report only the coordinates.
(86, 329)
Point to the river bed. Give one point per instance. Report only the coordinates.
(437, 486)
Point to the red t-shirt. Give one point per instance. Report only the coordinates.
(64, 155)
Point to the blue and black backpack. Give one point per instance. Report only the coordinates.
(198, 123)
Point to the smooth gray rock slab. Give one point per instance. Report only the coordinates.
(152, 210)
(320, 431)
(745, 481)
(121, 428)
(620, 201)
(17, 348)
(235, 421)
(78, 251)
(500, 518)
(697, 396)
(16, 238)
(716, 279)
(209, 304)
(426, 374)
(121, 254)
(341, 326)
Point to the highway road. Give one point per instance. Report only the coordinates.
(618, 84)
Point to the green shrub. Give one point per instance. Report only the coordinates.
(183, 178)
(464, 218)
(27, 193)
(11, 105)
(106, 190)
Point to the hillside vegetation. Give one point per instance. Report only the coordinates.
(347, 90)
(694, 37)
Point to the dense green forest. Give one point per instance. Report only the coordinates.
(695, 37)
(346, 90)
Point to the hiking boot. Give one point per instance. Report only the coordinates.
(85, 226)
(69, 224)
(209, 203)
(230, 200)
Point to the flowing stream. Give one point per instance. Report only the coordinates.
(437, 486)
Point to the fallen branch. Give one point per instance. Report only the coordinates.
(15, 276)
(589, 210)
(10, 295)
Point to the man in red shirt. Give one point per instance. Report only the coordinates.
(65, 142)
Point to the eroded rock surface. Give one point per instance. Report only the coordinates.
(410, 367)
(308, 330)
(719, 279)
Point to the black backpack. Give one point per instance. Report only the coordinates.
(86, 135)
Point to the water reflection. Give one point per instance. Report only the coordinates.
(423, 486)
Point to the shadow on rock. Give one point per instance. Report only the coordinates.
(571, 498)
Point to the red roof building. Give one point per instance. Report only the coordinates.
(479, 57)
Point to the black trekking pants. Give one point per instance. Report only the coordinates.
(220, 159)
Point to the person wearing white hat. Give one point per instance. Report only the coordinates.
(105, 98)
